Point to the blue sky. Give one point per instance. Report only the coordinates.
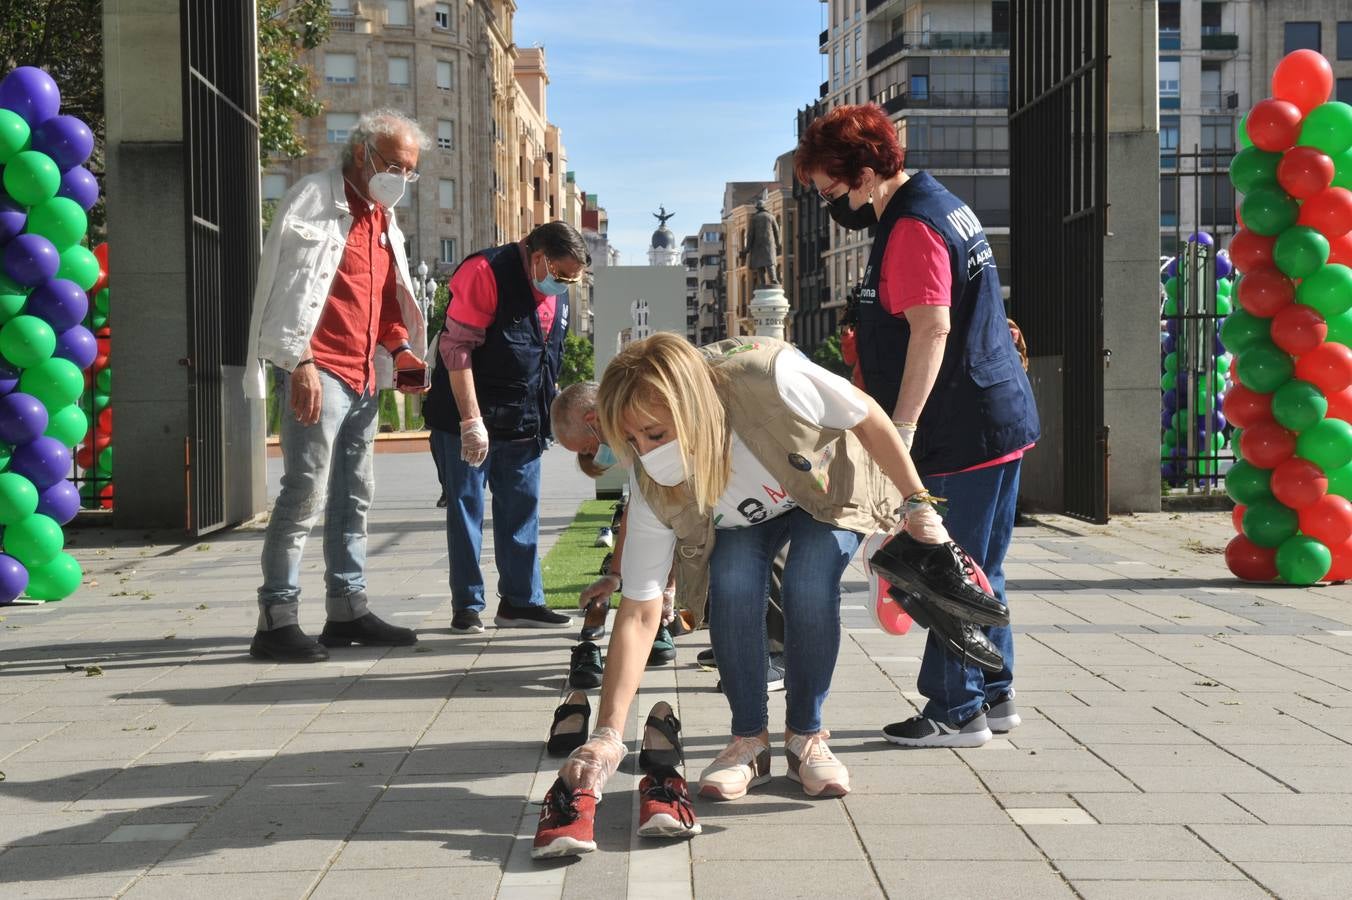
(663, 102)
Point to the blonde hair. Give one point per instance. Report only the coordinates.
(660, 374)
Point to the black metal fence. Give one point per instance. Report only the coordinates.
(1058, 184)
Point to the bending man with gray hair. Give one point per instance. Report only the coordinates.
(335, 314)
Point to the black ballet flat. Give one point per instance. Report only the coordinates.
(662, 727)
(562, 742)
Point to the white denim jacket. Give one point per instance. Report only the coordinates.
(300, 259)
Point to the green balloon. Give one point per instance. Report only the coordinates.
(60, 220)
(1327, 127)
(1340, 481)
(101, 302)
(1223, 363)
(1340, 327)
(80, 266)
(1342, 170)
(1171, 287)
(98, 319)
(104, 380)
(1171, 362)
(31, 177)
(55, 579)
(100, 400)
(1298, 405)
(69, 425)
(1247, 484)
(1262, 367)
(12, 298)
(105, 460)
(1268, 523)
(1170, 306)
(1328, 290)
(1300, 251)
(1225, 287)
(1269, 211)
(26, 341)
(1242, 329)
(1224, 306)
(14, 134)
(1253, 168)
(1170, 438)
(1327, 444)
(56, 382)
(34, 540)
(18, 498)
(1303, 560)
(6, 451)
(1242, 132)
(1168, 381)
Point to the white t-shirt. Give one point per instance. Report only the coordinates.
(753, 494)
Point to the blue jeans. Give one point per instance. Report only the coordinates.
(739, 583)
(512, 473)
(981, 519)
(325, 466)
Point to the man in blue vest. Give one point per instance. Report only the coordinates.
(496, 372)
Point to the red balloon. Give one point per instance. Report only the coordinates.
(1249, 561)
(1237, 517)
(1328, 212)
(1299, 329)
(1340, 406)
(1304, 171)
(1328, 367)
(100, 363)
(101, 440)
(1341, 570)
(106, 497)
(1340, 249)
(1328, 521)
(1267, 444)
(1264, 292)
(1246, 408)
(101, 254)
(85, 456)
(88, 379)
(104, 333)
(1299, 483)
(1249, 251)
(105, 420)
(1304, 78)
(1274, 125)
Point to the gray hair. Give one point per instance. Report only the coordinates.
(383, 123)
(568, 408)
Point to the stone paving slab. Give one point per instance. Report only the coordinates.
(1184, 735)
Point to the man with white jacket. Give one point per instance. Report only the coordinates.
(334, 311)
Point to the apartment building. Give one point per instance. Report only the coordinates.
(690, 260)
(710, 296)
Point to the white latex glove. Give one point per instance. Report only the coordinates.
(473, 441)
(590, 766)
(923, 523)
(668, 605)
(906, 433)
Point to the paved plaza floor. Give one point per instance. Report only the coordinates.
(1184, 735)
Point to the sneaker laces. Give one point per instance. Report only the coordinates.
(743, 751)
(664, 792)
(561, 802)
(815, 749)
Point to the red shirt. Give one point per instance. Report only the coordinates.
(362, 309)
(474, 296)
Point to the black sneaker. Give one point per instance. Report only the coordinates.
(664, 648)
(585, 669)
(368, 630)
(962, 639)
(943, 574)
(466, 621)
(529, 617)
(1001, 715)
(774, 675)
(287, 644)
(706, 659)
(922, 731)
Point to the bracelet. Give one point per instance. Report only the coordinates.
(304, 362)
(400, 349)
(905, 424)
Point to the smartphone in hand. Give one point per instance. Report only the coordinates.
(412, 379)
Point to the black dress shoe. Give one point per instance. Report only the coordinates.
(661, 739)
(962, 639)
(569, 729)
(942, 574)
(287, 644)
(367, 630)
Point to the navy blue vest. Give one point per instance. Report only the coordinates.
(517, 366)
(981, 406)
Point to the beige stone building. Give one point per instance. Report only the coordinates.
(739, 205)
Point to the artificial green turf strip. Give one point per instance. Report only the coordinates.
(573, 563)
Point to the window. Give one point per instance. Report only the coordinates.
(1217, 202)
(1169, 17)
(442, 17)
(274, 186)
(398, 12)
(341, 6)
(445, 134)
(340, 68)
(1000, 16)
(445, 75)
(1218, 133)
(1345, 40)
(1344, 90)
(1211, 86)
(1168, 77)
(337, 125)
(1168, 141)
(1303, 35)
(446, 193)
(399, 71)
(711, 237)
(448, 250)
(1211, 18)
(1168, 200)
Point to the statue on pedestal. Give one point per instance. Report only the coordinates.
(762, 247)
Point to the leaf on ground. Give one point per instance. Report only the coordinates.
(201, 547)
(422, 648)
(203, 606)
(93, 671)
(359, 765)
(1207, 683)
(169, 637)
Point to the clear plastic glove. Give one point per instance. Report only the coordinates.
(590, 766)
(669, 605)
(922, 522)
(599, 591)
(906, 433)
(473, 441)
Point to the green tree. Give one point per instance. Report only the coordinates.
(578, 360)
(286, 29)
(828, 356)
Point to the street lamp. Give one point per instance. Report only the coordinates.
(424, 290)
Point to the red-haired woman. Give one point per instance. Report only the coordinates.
(936, 353)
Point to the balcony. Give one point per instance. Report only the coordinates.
(822, 91)
(944, 100)
(342, 22)
(1219, 100)
(874, 4)
(823, 37)
(938, 40)
(1220, 41)
(957, 159)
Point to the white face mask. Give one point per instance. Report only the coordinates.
(665, 464)
(386, 189)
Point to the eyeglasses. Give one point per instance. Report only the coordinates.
(575, 279)
(409, 175)
(596, 434)
(824, 196)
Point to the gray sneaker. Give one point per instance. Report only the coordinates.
(922, 731)
(1001, 715)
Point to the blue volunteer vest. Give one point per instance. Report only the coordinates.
(517, 366)
(981, 406)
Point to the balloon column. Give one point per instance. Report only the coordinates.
(1291, 334)
(44, 274)
(95, 455)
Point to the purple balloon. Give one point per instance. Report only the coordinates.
(1170, 343)
(80, 185)
(1218, 343)
(1171, 326)
(1201, 237)
(1181, 382)
(13, 579)
(30, 259)
(31, 93)
(23, 418)
(1223, 264)
(1171, 269)
(13, 217)
(1170, 400)
(66, 139)
(78, 345)
(9, 377)
(43, 461)
(63, 304)
(61, 501)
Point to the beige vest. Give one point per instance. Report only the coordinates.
(825, 470)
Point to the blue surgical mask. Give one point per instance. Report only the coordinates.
(605, 457)
(550, 286)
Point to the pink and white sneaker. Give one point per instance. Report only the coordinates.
(886, 611)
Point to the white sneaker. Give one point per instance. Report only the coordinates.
(815, 767)
(742, 765)
(604, 537)
(886, 611)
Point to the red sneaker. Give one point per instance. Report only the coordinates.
(886, 611)
(567, 820)
(664, 807)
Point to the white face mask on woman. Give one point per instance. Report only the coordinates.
(665, 464)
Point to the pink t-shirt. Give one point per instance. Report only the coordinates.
(474, 297)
